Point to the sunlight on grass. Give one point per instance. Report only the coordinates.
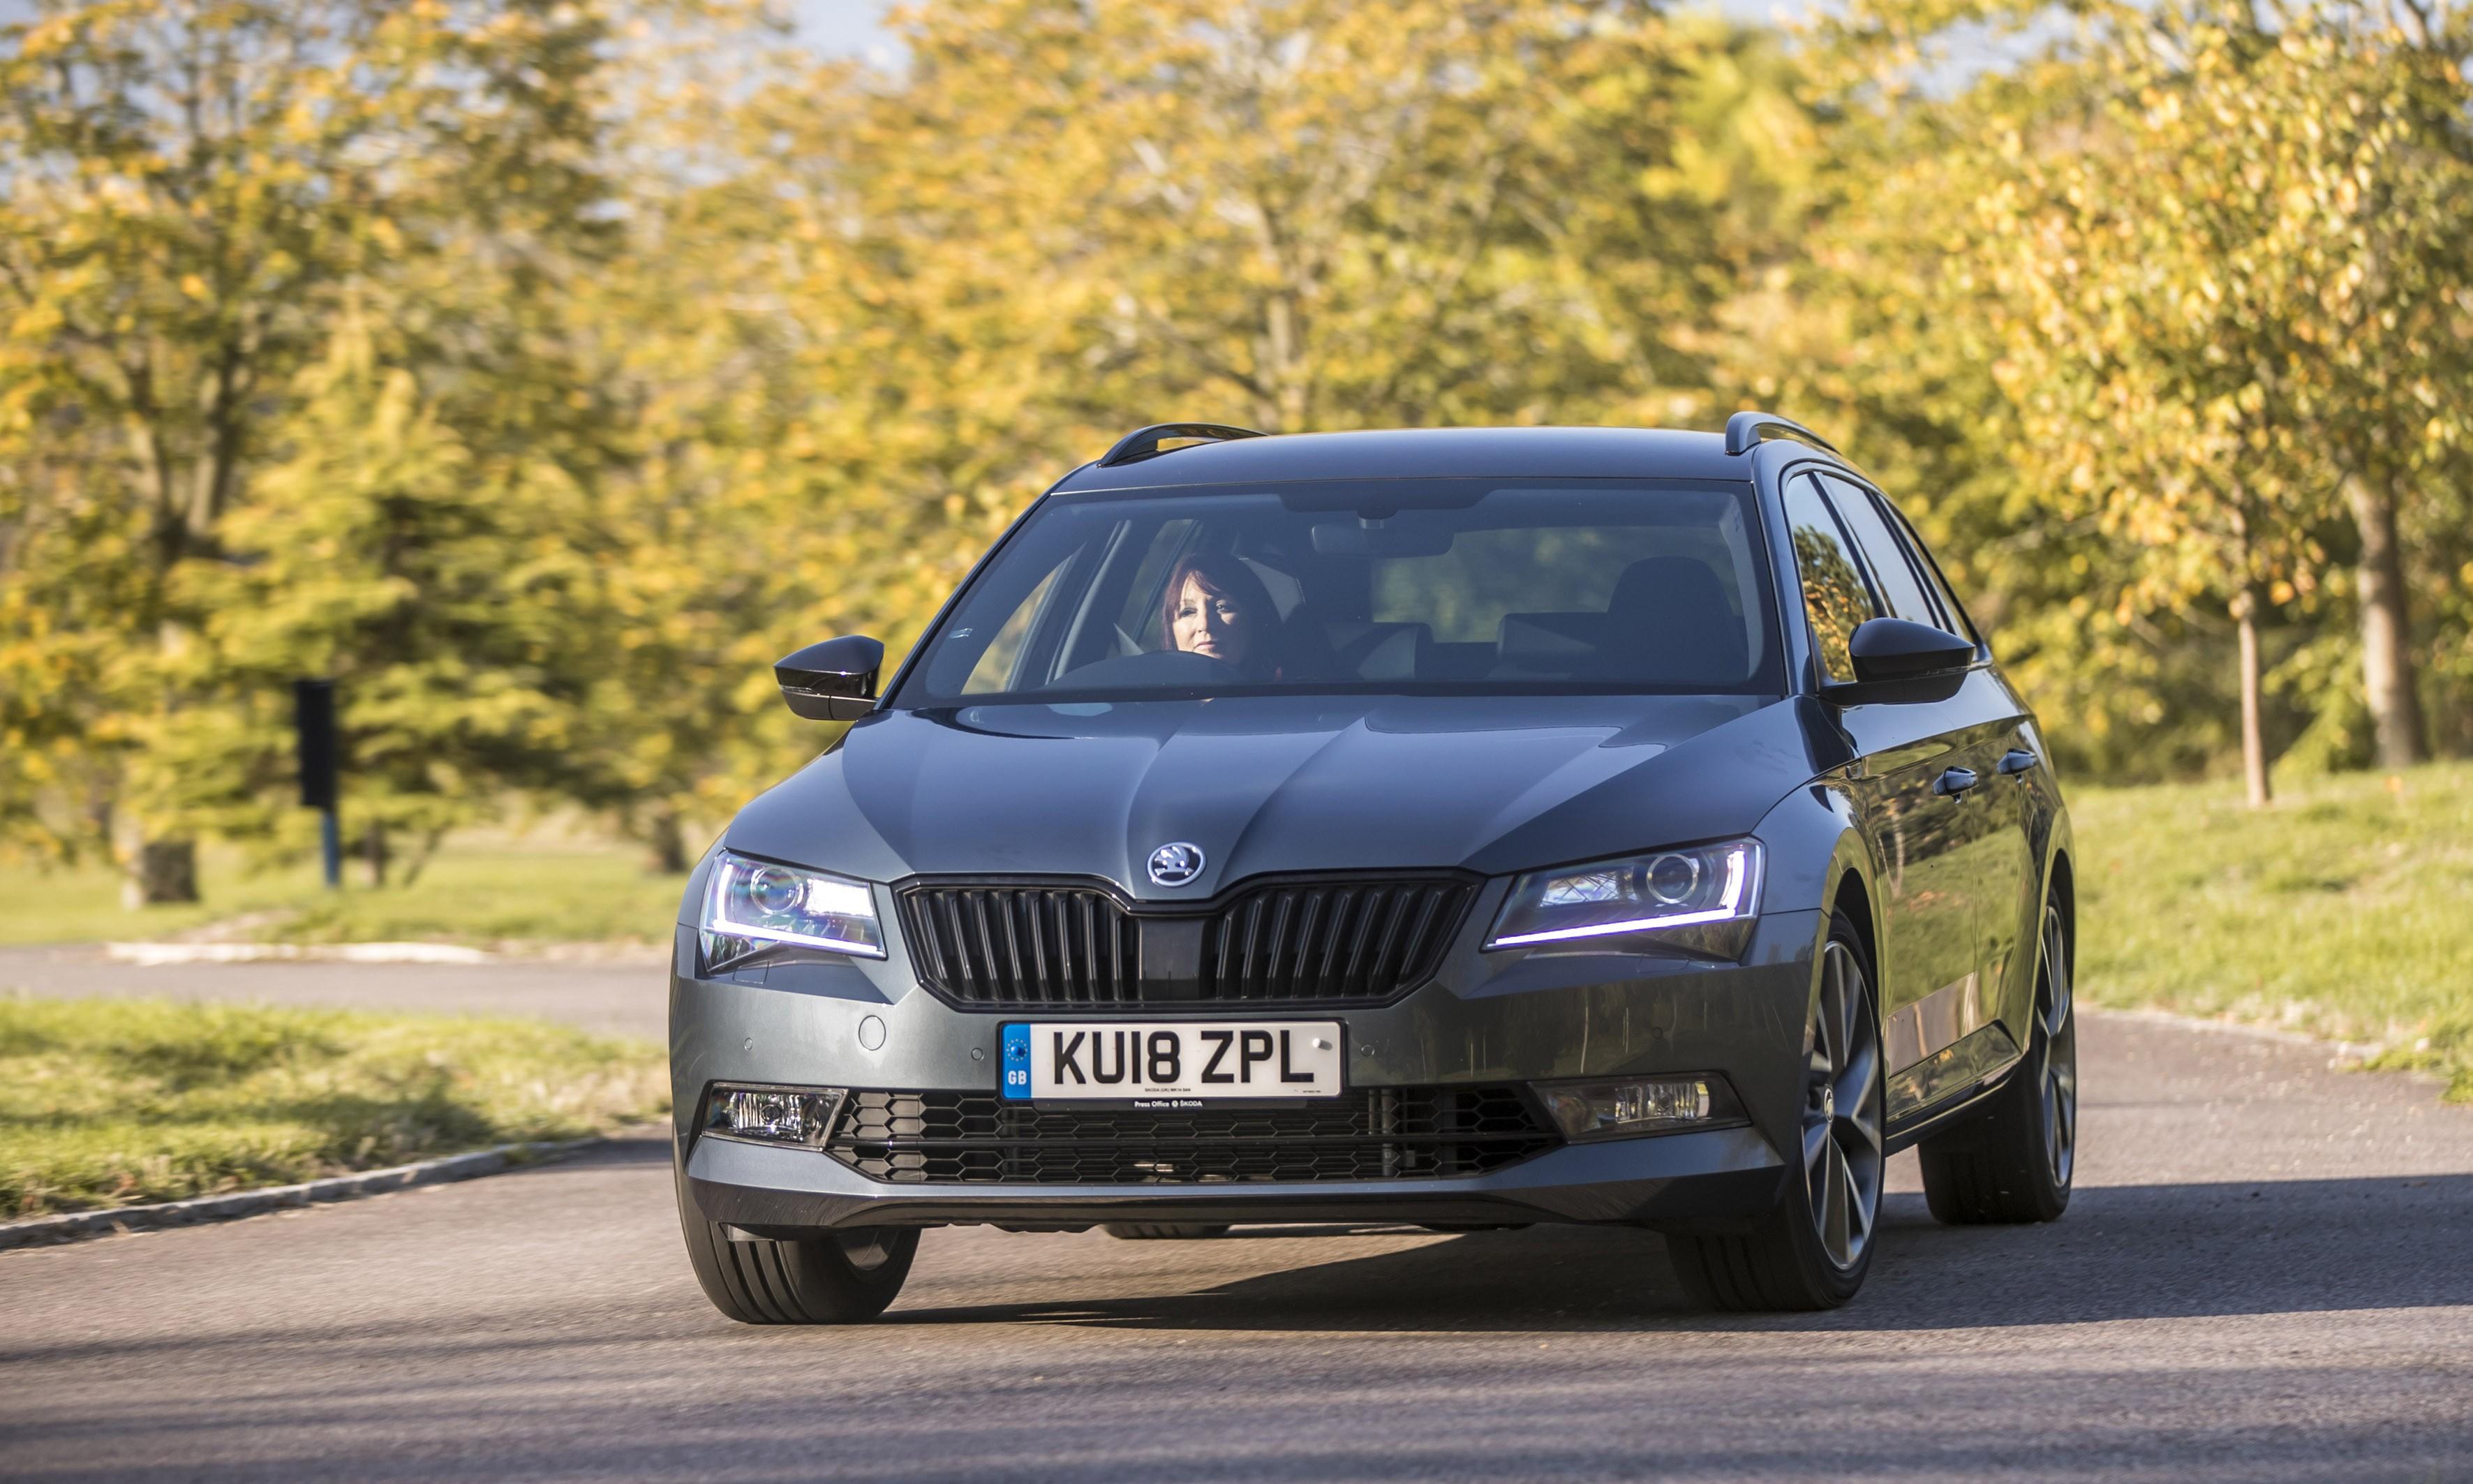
(118, 1102)
(474, 893)
(2345, 910)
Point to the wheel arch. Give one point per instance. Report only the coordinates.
(1819, 861)
(1853, 898)
(2060, 878)
(2062, 890)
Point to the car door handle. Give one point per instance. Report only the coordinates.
(2016, 761)
(1955, 781)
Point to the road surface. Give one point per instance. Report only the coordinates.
(623, 998)
(2267, 1274)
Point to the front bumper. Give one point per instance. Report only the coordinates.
(1716, 1173)
(1489, 1018)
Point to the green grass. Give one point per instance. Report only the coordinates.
(118, 1102)
(471, 892)
(2343, 910)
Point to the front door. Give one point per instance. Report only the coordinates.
(1989, 853)
(1930, 812)
(1922, 801)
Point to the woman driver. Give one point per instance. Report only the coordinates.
(1216, 606)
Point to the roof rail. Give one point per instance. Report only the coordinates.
(1144, 442)
(1746, 428)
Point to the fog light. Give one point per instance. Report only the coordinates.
(773, 1116)
(1644, 1105)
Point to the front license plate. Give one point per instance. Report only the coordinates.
(1174, 1062)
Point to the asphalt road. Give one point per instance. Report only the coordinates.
(2267, 1274)
(628, 998)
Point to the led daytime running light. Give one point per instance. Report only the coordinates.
(830, 913)
(1733, 902)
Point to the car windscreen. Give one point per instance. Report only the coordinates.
(1367, 586)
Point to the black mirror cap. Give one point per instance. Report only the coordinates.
(1898, 659)
(1899, 649)
(832, 682)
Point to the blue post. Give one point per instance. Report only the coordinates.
(313, 719)
(331, 837)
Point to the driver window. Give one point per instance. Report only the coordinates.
(1835, 597)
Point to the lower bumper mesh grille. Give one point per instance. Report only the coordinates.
(1372, 1134)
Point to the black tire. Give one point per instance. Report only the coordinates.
(2013, 1164)
(1163, 1231)
(838, 1278)
(1812, 1251)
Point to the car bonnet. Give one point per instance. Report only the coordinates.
(1279, 784)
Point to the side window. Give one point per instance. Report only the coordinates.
(1958, 622)
(1834, 595)
(1891, 567)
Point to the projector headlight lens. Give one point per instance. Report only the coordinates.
(753, 904)
(1704, 886)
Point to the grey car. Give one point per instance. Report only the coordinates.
(1459, 828)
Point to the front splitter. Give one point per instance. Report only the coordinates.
(1713, 1174)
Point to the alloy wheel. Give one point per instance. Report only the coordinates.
(2057, 1077)
(1842, 1116)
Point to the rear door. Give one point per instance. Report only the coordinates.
(1901, 780)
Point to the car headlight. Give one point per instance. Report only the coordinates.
(1701, 898)
(754, 904)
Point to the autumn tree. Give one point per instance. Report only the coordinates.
(2205, 253)
(1305, 214)
(192, 188)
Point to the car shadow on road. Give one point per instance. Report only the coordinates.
(2144, 1252)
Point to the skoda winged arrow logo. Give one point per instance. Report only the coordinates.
(1176, 864)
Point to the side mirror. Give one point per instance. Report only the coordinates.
(832, 681)
(1898, 659)
(1896, 649)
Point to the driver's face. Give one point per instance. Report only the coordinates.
(1210, 624)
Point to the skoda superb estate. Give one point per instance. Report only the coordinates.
(1467, 828)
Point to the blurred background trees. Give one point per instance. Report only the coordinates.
(541, 369)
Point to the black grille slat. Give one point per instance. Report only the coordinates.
(1343, 904)
(1050, 946)
(1273, 951)
(1377, 904)
(1373, 1134)
(1333, 943)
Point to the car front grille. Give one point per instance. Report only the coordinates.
(1023, 946)
(1338, 940)
(1371, 1133)
(1039, 946)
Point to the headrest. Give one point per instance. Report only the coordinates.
(1659, 587)
(1669, 622)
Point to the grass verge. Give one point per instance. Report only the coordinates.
(482, 893)
(121, 1102)
(2343, 910)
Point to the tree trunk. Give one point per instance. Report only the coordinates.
(373, 850)
(2253, 740)
(160, 872)
(670, 845)
(2387, 628)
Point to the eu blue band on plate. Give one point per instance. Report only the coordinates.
(1014, 1077)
